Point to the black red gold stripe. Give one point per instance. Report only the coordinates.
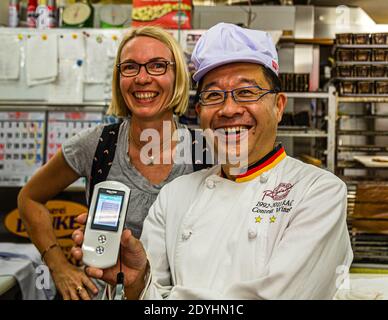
(263, 165)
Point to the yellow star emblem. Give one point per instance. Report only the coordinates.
(272, 219)
(258, 219)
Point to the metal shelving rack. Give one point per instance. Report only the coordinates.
(369, 246)
(330, 117)
(368, 243)
(371, 99)
(369, 148)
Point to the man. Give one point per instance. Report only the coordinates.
(275, 231)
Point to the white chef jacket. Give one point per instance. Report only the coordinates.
(281, 235)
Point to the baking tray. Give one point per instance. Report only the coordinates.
(368, 161)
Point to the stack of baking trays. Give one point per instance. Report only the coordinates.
(368, 222)
(361, 64)
(295, 82)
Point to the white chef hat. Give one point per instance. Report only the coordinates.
(227, 43)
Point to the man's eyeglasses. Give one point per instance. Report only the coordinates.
(154, 68)
(243, 94)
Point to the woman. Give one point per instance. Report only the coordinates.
(150, 85)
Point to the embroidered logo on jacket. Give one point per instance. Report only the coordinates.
(272, 210)
(279, 193)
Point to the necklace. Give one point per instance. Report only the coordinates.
(144, 150)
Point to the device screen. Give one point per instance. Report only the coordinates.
(108, 208)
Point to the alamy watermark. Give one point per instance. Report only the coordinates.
(43, 277)
(342, 21)
(220, 146)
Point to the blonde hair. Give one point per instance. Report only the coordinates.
(180, 97)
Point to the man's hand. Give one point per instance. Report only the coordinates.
(133, 258)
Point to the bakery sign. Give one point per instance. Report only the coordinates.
(168, 14)
(62, 213)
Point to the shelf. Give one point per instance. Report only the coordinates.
(362, 133)
(303, 133)
(365, 148)
(361, 46)
(317, 41)
(363, 98)
(364, 266)
(45, 103)
(348, 165)
(351, 63)
(96, 106)
(356, 165)
(308, 95)
(361, 78)
(354, 179)
(362, 116)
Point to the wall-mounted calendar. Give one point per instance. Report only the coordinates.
(21, 146)
(62, 126)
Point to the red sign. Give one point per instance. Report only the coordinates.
(168, 14)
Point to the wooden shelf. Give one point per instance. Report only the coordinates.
(316, 41)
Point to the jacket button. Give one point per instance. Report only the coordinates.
(186, 234)
(264, 177)
(252, 234)
(210, 184)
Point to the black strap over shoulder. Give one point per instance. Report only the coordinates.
(106, 148)
(104, 155)
(200, 151)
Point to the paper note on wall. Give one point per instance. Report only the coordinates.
(96, 59)
(112, 46)
(9, 57)
(68, 87)
(41, 59)
(71, 46)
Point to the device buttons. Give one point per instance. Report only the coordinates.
(100, 250)
(101, 238)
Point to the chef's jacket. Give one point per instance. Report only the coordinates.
(278, 233)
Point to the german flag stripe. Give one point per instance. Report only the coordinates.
(263, 165)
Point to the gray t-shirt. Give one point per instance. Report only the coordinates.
(79, 152)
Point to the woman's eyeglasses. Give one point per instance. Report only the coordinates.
(154, 68)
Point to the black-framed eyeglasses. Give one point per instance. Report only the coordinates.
(243, 94)
(154, 68)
